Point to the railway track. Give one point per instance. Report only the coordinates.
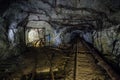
(83, 65)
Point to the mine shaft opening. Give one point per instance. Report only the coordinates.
(35, 37)
(38, 34)
(74, 36)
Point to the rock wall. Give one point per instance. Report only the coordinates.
(107, 42)
(6, 47)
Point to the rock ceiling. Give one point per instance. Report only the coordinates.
(95, 13)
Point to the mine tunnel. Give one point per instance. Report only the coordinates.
(59, 40)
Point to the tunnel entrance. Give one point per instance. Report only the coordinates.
(39, 33)
(75, 35)
(35, 37)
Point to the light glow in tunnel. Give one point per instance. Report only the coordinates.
(57, 39)
(11, 32)
(87, 37)
(33, 35)
(11, 35)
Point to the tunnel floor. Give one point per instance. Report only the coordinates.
(64, 63)
(85, 67)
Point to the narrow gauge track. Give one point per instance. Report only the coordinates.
(85, 64)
